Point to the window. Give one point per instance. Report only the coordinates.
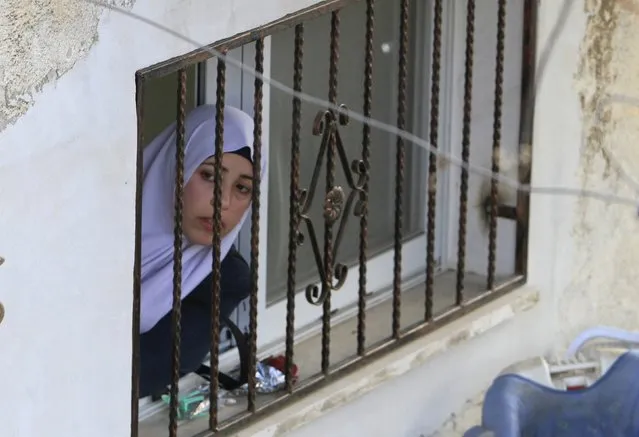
(425, 237)
(279, 50)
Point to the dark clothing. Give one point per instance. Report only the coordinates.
(156, 345)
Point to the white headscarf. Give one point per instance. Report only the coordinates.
(158, 207)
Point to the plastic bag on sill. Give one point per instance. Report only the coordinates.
(270, 376)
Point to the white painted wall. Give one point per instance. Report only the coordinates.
(67, 184)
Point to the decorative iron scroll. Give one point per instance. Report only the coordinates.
(337, 206)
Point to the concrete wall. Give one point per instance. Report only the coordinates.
(602, 287)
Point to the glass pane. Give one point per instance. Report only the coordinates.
(160, 102)
(350, 93)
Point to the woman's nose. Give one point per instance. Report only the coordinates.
(226, 199)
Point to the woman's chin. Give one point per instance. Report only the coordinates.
(202, 237)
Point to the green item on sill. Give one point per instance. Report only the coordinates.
(192, 405)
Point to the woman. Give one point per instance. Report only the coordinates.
(156, 345)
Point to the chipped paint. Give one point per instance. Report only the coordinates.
(40, 41)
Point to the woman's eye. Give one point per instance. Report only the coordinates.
(207, 176)
(243, 189)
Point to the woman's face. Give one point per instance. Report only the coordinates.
(237, 186)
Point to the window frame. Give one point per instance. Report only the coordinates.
(449, 126)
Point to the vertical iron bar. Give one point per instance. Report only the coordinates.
(217, 228)
(366, 154)
(527, 116)
(294, 206)
(177, 251)
(463, 189)
(330, 181)
(399, 171)
(137, 266)
(494, 187)
(255, 220)
(432, 162)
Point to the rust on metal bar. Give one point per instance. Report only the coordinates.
(402, 80)
(502, 211)
(137, 266)
(255, 221)
(220, 94)
(294, 206)
(336, 206)
(330, 182)
(527, 116)
(463, 186)
(177, 251)
(362, 207)
(432, 161)
(496, 150)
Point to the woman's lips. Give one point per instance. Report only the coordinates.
(207, 224)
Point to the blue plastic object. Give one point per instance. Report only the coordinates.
(517, 407)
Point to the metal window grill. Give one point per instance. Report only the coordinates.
(338, 204)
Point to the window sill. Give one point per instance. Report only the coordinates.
(370, 376)
(395, 364)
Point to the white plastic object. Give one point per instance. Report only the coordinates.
(577, 370)
(629, 338)
(570, 374)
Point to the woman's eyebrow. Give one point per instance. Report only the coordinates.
(225, 170)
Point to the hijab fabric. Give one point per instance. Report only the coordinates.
(158, 207)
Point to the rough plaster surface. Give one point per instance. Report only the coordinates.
(40, 40)
(603, 288)
(459, 422)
